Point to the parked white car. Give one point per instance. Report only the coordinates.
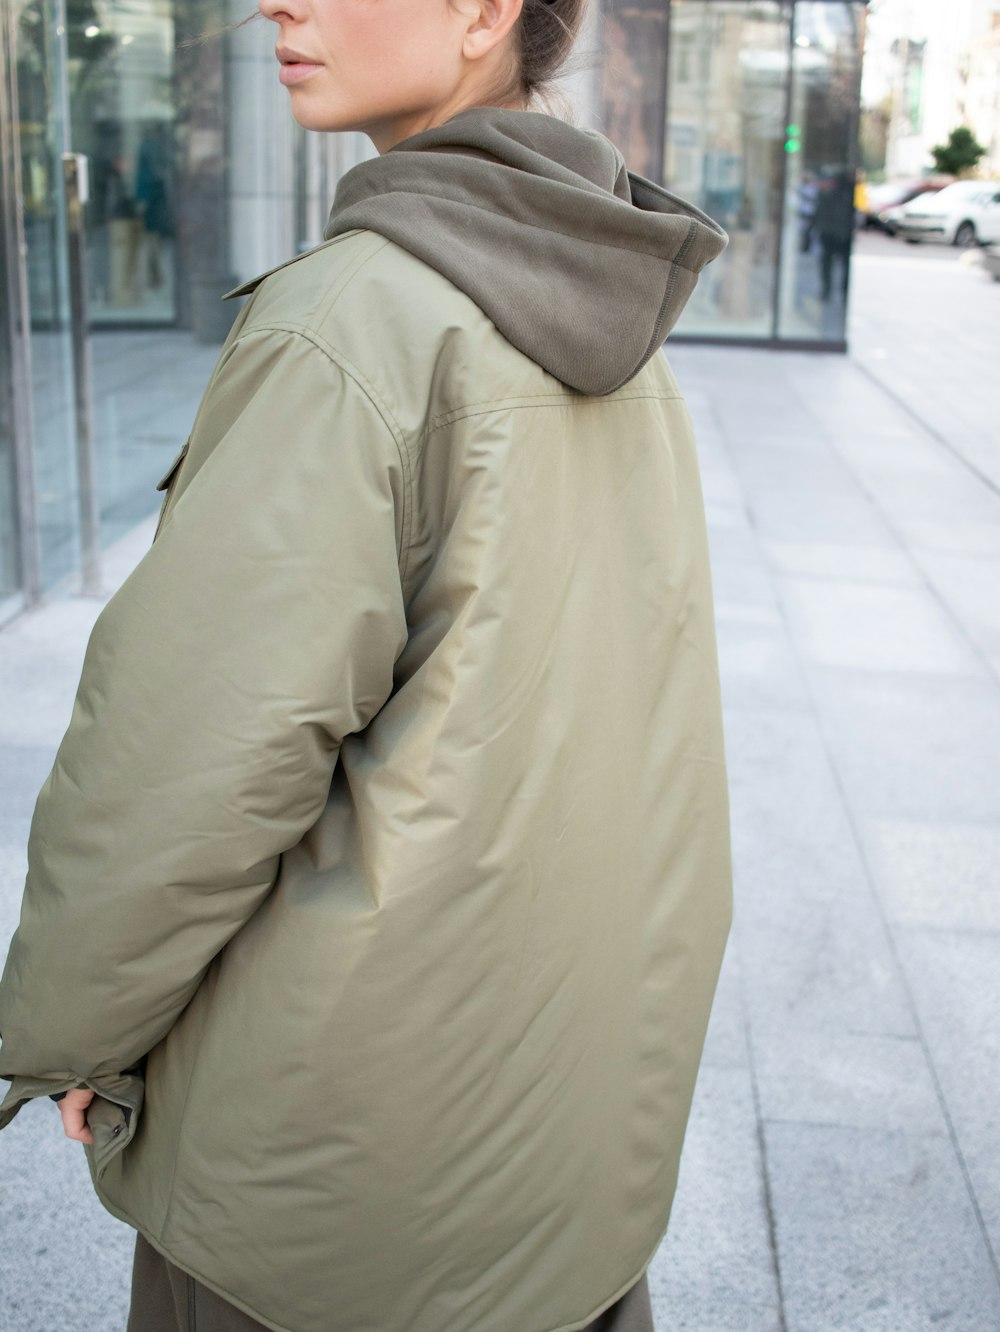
(888, 218)
(965, 213)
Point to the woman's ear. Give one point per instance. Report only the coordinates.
(488, 23)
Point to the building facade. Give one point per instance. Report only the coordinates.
(939, 67)
(981, 92)
(197, 178)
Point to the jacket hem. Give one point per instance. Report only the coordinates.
(161, 1248)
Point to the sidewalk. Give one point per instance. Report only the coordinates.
(842, 1167)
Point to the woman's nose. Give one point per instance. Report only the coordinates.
(278, 11)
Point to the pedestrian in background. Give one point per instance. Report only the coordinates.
(377, 896)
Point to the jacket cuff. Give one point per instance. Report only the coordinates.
(123, 1089)
(25, 1089)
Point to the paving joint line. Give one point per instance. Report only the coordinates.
(928, 429)
(770, 1211)
(992, 670)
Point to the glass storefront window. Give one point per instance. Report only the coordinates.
(10, 571)
(150, 117)
(39, 35)
(11, 336)
(632, 80)
(725, 117)
(760, 123)
(818, 218)
(121, 79)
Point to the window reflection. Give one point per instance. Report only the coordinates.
(633, 75)
(43, 136)
(761, 124)
(725, 113)
(121, 84)
(818, 221)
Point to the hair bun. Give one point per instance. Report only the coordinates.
(546, 32)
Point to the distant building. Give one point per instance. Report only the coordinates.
(943, 68)
(981, 94)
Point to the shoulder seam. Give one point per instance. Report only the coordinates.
(543, 400)
(376, 245)
(371, 393)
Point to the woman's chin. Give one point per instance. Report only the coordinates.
(313, 116)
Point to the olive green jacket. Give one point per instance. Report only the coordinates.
(381, 882)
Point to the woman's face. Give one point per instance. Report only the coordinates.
(389, 68)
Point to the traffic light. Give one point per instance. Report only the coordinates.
(793, 140)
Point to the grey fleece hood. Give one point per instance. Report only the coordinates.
(581, 265)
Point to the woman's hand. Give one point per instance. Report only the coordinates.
(72, 1107)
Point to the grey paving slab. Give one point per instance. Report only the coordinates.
(719, 482)
(791, 835)
(939, 875)
(757, 665)
(726, 1040)
(915, 480)
(901, 453)
(938, 374)
(820, 959)
(846, 1078)
(732, 538)
(913, 746)
(800, 495)
(955, 977)
(830, 559)
(968, 535)
(23, 768)
(970, 586)
(819, 967)
(13, 868)
(40, 662)
(875, 627)
(715, 1270)
(742, 583)
(876, 1233)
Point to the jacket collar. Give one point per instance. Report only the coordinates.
(246, 288)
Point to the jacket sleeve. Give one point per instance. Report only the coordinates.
(261, 628)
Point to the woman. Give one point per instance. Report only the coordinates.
(377, 895)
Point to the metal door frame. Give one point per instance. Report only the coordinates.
(16, 330)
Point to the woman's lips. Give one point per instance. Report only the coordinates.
(294, 71)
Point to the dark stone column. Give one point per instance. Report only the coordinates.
(202, 241)
(633, 83)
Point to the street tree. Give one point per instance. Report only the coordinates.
(960, 154)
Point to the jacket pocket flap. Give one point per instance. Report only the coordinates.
(169, 473)
(113, 1126)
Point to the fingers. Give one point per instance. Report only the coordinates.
(72, 1107)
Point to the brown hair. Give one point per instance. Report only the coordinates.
(543, 38)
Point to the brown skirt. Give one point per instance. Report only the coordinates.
(166, 1299)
